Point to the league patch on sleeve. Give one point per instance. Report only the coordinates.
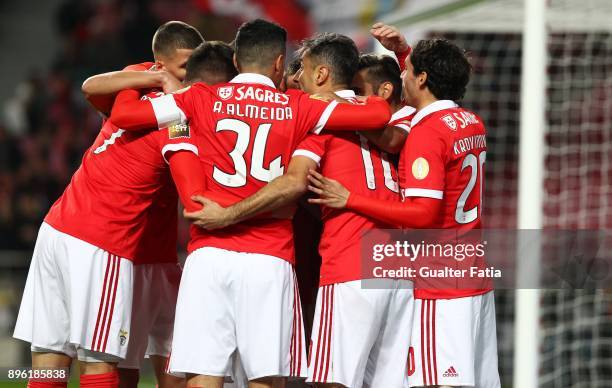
(179, 130)
(420, 168)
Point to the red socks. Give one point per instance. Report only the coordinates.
(103, 380)
(47, 384)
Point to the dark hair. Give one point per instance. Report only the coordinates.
(212, 63)
(380, 69)
(336, 51)
(175, 35)
(293, 66)
(447, 67)
(259, 42)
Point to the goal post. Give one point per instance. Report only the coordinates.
(530, 191)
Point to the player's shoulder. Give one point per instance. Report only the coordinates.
(143, 66)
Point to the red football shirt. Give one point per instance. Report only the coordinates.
(122, 198)
(351, 159)
(244, 132)
(402, 118)
(443, 158)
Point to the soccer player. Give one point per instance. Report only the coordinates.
(172, 45)
(238, 292)
(380, 75)
(119, 209)
(441, 174)
(360, 336)
(153, 308)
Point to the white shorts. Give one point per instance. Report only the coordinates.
(238, 302)
(455, 343)
(77, 296)
(153, 307)
(360, 337)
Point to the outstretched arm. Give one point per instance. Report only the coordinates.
(100, 90)
(282, 191)
(413, 213)
(391, 139)
(373, 115)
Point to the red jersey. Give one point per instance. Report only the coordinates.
(122, 198)
(351, 159)
(443, 158)
(244, 132)
(402, 118)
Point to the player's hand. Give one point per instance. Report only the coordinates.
(169, 83)
(211, 216)
(331, 193)
(390, 37)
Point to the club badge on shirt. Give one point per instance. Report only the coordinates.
(178, 130)
(420, 168)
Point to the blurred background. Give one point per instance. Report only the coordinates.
(50, 47)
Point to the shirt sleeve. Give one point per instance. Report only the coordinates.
(313, 113)
(174, 108)
(177, 137)
(312, 147)
(425, 156)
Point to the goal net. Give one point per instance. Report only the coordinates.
(575, 348)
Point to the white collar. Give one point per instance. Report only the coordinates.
(252, 78)
(346, 93)
(403, 112)
(432, 108)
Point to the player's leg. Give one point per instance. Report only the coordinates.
(128, 378)
(268, 316)
(43, 313)
(203, 339)
(203, 381)
(487, 369)
(269, 382)
(388, 365)
(165, 283)
(348, 319)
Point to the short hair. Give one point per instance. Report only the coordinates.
(259, 42)
(212, 63)
(337, 51)
(380, 69)
(175, 35)
(294, 66)
(447, 67)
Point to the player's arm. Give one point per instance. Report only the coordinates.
(100, 90)
(415, 212)
(391, 139)
(392, 39)
(374, 114)
(280, 192)
(188, 176)
(158, 112)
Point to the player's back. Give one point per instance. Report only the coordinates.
(362, 168)
(246, 131)
(444, 159)
(462, 137)
(121, 198)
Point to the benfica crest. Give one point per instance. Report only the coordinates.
(226, 92)
(450, 122)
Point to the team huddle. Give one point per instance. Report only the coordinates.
(239, 138)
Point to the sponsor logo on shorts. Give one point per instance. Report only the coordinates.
(450, 372)
(123, 337)
(178, 130)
